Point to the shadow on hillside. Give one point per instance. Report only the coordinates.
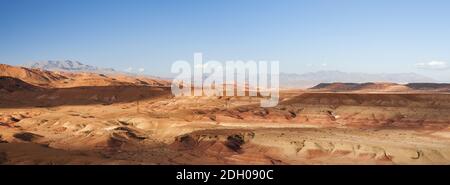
(15, 93)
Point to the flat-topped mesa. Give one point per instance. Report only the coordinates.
(429, 86)
(381, 87)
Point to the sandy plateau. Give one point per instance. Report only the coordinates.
(64, 118)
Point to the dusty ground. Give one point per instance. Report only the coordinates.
(86, 118)
(305, 128)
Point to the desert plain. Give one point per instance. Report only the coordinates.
(49, 117)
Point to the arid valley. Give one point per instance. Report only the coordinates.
(49, 117)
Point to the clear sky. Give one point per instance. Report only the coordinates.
(374, 36)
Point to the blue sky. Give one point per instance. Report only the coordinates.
(373, 36)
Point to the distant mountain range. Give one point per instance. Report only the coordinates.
(307, 80)
(287, 80)
(68, 65)
(76, 66)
